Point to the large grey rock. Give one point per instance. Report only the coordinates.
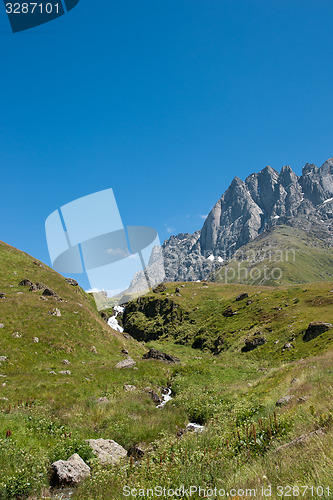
(242, 296)
(48, 292)
(26, 282)
(107, 451)
(69, 472)
(72, 282)
(161, 356)
(251, 344)
(129, 388)
(285, 400)
(126, 363)
(40, 286)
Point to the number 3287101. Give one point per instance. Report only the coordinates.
(31, 8)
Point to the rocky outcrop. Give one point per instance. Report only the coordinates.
(69, 472)
(107, 451)
(247, 209)
(251, 344)
(72, 282)
(161, 356)
(148, 318)
(285, 400)
(229, 312)
(26, 282)
(315, 329)
(48, 292)
(126, 363)
(129, 388)
(242, 296)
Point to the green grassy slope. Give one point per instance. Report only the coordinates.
(195, 317)
(40, 408)
(283, 255)
(232, 393)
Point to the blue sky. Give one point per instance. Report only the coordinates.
(165, 102)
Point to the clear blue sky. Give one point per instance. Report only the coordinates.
(163, 101)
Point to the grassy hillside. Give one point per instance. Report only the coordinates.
(283, 255)
(40, 406)
(249, 441)
(195, 317)
(47, 416)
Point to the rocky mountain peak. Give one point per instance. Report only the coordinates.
(287, 176)
(327, 167)
(309, 168)
(247, 208)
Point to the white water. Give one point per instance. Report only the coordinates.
(191, 426)
(166, 397)
(113, 323)
(195, 427)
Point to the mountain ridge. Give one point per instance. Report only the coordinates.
(247, 209)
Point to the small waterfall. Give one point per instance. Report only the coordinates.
(166, 396)
(113, 323)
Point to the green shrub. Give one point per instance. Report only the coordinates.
(21, 472)
(67, 446)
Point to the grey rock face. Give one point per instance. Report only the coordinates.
(129, 388)
(315, 329)
(248, 208)
(285, 400)
(107, 451)
(161, 356)
(69, 472)
(25, 282)
(251, 344)
(242, 296)
(72, 282)
(126, 363)
(48, 292)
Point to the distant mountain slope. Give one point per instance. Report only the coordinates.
(281, 255)
(247, 209)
